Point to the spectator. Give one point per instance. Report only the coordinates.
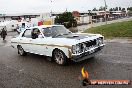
(3, 33)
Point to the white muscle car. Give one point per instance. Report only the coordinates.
(58, 42)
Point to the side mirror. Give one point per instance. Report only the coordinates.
(40, 36)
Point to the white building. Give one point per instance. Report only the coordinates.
(8, 25)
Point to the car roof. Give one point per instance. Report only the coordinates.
(45, 26)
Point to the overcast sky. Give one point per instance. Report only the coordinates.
(34, 6)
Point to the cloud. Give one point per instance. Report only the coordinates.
(33, 6)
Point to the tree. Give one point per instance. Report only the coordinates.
(116, 8)
(95, 9)
(66, 19)
(129, 8)
(111, 9)
(119, 8)
(101, 8)
(123, 9)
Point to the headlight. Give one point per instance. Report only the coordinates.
(100, 41)
(84, 48)
(76, 49)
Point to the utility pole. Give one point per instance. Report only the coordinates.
(90, 18)
(105, 12)
(51, 18)
(89, 15)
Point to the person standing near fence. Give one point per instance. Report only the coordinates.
(3, 33)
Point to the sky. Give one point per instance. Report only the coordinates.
(41, 6)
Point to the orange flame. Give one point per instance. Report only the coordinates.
(84, 73)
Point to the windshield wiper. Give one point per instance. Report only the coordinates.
(57, 35)
(67, 33)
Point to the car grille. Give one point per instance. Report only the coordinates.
(91, 43)
(88, 45)
(85, 46)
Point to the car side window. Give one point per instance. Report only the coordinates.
(35, 33)
(27, 33)
(47, 32)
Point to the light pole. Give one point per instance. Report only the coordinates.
(90, 18)
(89, 15)
(105, 12)
(51, 18)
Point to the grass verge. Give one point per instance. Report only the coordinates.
(120, 29)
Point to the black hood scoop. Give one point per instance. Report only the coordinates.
(75, 37)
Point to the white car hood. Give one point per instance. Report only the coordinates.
(74, 39)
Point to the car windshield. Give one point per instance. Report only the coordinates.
(55, 31)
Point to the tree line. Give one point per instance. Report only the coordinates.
(112, 9)
(66, 19)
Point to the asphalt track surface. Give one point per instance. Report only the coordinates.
(34, 71)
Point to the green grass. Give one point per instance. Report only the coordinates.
(120, 29)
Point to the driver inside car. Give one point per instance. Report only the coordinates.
(35, 33)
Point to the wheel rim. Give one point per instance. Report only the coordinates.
(59, 58)
(21, 51)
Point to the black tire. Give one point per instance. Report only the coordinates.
(59, 57)
(21, 51)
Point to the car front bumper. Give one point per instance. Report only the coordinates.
(91, 53)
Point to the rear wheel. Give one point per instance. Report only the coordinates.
(21, 51)
(59, 57)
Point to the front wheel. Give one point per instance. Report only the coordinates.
(59, 57)
(21, 51)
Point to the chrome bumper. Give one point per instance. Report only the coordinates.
(90, 53)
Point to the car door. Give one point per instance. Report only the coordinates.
(38, 44)
(25, 40)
